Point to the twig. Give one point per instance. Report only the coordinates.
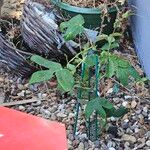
(21, 102)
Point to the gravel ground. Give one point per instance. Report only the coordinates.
(130, 132)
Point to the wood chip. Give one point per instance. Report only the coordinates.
(21, 102)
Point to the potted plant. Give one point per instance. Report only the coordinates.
(94, 11)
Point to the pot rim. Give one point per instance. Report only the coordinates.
(81, 10)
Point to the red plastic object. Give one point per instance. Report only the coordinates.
(20, 131)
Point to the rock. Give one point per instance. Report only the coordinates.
(110, 91)
(128, 138)
(21, 94)
(47, 113)
(70, 147)
(111, 148)
(148, 143)
(21, 87)
(61, 115)
(136, 130)
(82, 136)
(113, 118)
(127, 97)
(81, 146)
(125, 104)
(71, 115)
(70, 137)
(1, 79)
(109, 144)
(38, 103)
(53, 117)
(21, 108)
(113, 130)
(133, 104)
(145, 109)
(126, 120)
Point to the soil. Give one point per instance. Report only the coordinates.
(85, 3)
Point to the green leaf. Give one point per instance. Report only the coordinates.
(105, 103)
(105, 47)
(134, 73)
(91, 60)
(41, 76)
(120, 112)
(123, 75)
(65, 79)
(53, 66)
(111, 68)
(71, 67)
(73, 27)
(114, 45)
(97, 105)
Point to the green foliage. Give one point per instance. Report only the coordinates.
(119, 67)
(64, 76)
(116, 112)
(41, 76)
(65, 79)
(111, 65)
(98, 104)
(53, 66)
(73, 27)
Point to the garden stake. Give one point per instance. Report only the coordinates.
(92, 126)
(79, 97)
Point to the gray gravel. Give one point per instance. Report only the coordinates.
(130, 132)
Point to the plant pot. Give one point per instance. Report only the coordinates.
(92, 16)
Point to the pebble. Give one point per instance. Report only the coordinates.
(81, 146)
(61, 115)
(127, 97)
(21, 108)
(111, 148)
(129, 138)
(125, 104)
(71, 115)
(133, 104)
(148, 143)
(145, 109)
(53, 117)
(21, 94)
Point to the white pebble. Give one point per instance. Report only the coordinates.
(124, 104)
(148, 143)
(112, 148)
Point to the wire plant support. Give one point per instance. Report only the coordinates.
(91, 123)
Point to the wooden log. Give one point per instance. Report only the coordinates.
(41, 32)
(14, 58)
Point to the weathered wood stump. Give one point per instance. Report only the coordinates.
(41, 33)
(14, 58)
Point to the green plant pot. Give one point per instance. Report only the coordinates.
(92, 16)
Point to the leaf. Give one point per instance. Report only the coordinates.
(53, 66)
(73, 27)
(97, 105)
(41, 76)
(105, 47)
(134, 73)
(91, 60)
(71, 67)
(111, 68)
(65, 79)
(122, 74)
(105, 103)
(101, 37)
(120, 112)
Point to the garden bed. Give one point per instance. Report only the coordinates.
(131, 131)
